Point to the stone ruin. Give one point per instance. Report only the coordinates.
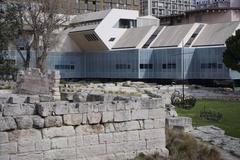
(98, 130)
(33, 82)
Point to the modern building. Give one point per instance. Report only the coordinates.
(118, 44)
(209, 16)
(160, 8)
(85, 6)
(202, 4)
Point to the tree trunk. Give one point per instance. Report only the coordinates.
(40, 61)
(28, 56)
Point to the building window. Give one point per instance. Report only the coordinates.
(127, 23)
(169, 66)
(91, 37)
(112, 39)
(65, 67)
(211, 66)
(123, 66)
(146, 66)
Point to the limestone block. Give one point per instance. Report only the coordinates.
(43, 145)
(8, 148)
(157, 113)
(135, 145)
(38, 122)
(72, 141)
(122, 116)
(4, 157)
(107, 117)
(102, 107)
(152, 134)
(27, 156)
(79, 140)
(19, 109)
(60, 154)
(94, 118)
(159, 123)
(148, 124)
(120, 106)
(17, 99)
(53, 121)
(84, 119)
(111, 106)
(132, 136)
(24, 122)
(7, 123)
(58, 143)
(90, 140)
(60, 108)
(25, 134)
(72, 119)
(156, 143)
(64, 131)
(26, 146)
(45, 109)
(76, 108)
(139, 114)
(32, 99)
(46, 98)
(80, 97)
(109, 127)
(183, 122)
(91, 151)
(89, 129)
(127, 126)
(116, 148)
(119, 137)
(3, 137)
(105, 138)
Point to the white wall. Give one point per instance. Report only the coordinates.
(106, 29)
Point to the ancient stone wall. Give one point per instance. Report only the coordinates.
(87, 130)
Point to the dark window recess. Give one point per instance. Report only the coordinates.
(123, 66)
(91, 37)
(211, 66)
(169, 66)
(65, 67)
(112, 39)
(146, 66)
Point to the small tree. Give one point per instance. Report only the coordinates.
(43, 17)
(231, 56)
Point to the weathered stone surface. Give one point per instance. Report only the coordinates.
(94, 118)
(17, 99)
(33, 82)
(95, 96)
(27, 156)
(63, 131)
(157, 113)
(57, 154)
(139, 114)
(53, 121)
(24, 122)
(26, 146)
(43, 145)
(25, 134)
(121, 116)
(46, 98)
(33, 99)
(80, 97)
(60, 108)
(107, 117)
(89, 129)
(72, 119)
(127, 126)
(59, 142)
(19, 109)
(8, 148)
(184, 123)
(45, 109)
(7, 123)
(38, 122)
(3, 137)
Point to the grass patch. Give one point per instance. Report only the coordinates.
(182, 146)
(230, 110)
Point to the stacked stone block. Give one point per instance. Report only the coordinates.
(80, 131)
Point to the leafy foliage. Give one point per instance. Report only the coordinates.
(231, 56)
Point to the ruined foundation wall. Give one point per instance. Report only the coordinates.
(76, 131)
